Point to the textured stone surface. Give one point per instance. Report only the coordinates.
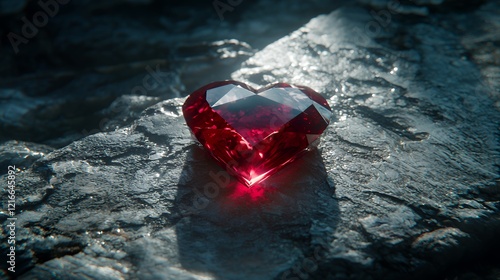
(410, 156)
(21, 154)
(404, 184)
(64, 79)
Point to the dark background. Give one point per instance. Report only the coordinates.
(89, 70)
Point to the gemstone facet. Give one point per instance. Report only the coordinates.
(253, 133)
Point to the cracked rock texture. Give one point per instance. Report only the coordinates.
(404, 185)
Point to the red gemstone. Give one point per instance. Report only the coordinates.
(253, 133)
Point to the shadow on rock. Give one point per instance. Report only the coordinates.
(232, 231)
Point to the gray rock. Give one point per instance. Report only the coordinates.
(63, 82)
(480, 41)
(21, 154)
(74, 101)
(394, 151)
(402, 185)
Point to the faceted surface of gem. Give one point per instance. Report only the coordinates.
(255, 133)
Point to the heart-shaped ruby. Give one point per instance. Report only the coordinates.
(253, 133)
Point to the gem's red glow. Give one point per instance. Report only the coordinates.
(254, 133)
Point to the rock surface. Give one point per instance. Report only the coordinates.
(61, 83)
(404, 184)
